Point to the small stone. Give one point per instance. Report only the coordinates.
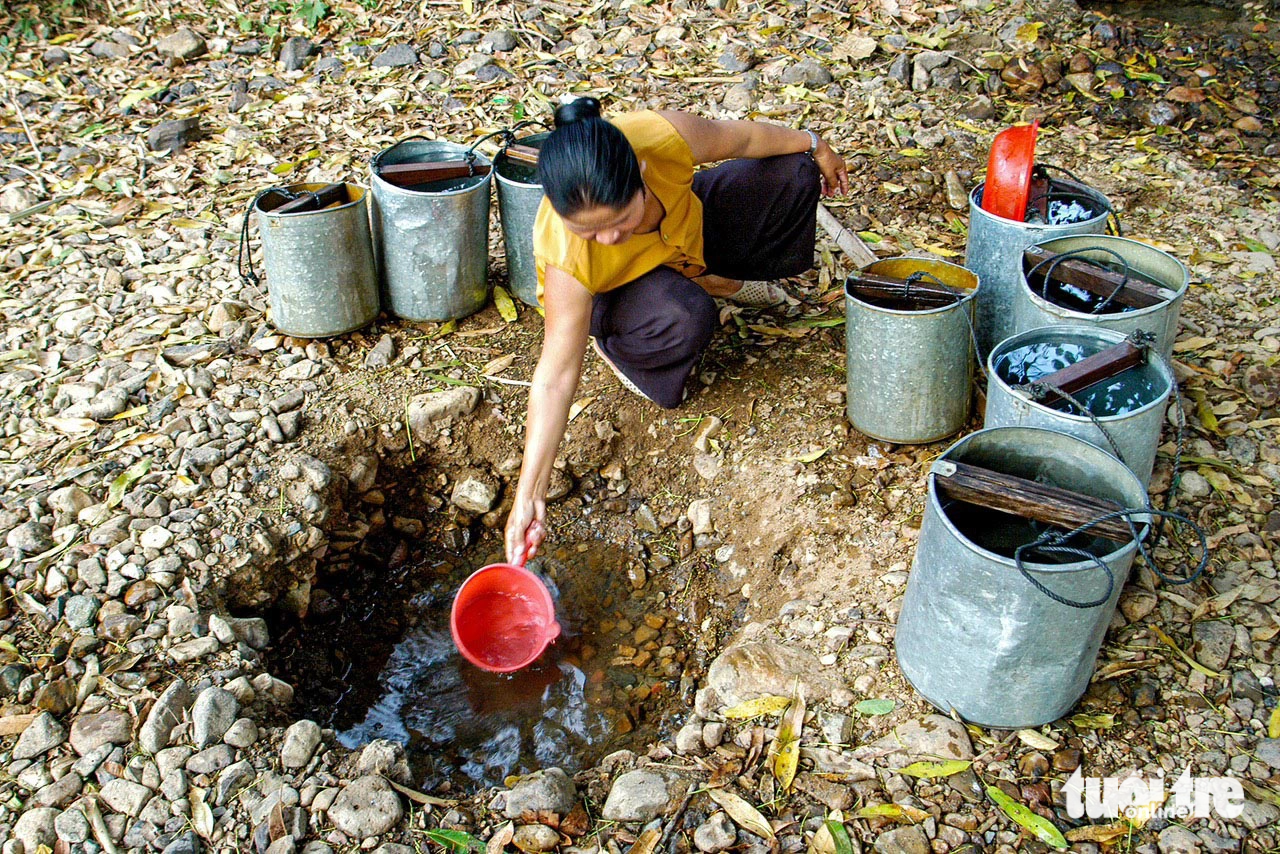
(904, 840)
(716, 834)
(156, 537)
(125, 796)
(699, 514)
(173, 136)
(183, 44)
(1067, 759)
(72, 827)
(41, 735)
(37, 827)
(932, 738)
(474, 495)
(979, 109)
(550, 791)
(737, 58)
(640, 795)
(1211, 643)
(211, 760)
(382, 354)
(1193, 484)
(396, 56)
(500, 41)
(59, 793)
(386, 758)
(366, 807)
(295, 52)
(808, 73)
(213, 713)
(194, 649)
(164, 716)
(243, 733)
(900, 69)
(300, 742)
(30, 538)
(427, 413)
(1176, 839)
(56, 697)
(187, 843)
(1268, 753)
(739, 98)
(55, 56)
(89, 732)
(233, 778)
(689, 738)
(535, 837)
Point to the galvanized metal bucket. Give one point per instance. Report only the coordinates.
(432, 241)
(910, 373)
(994, 251)
(519, 195)
(1031, 310)
(321, 277)
(1133, 436)
(976, 636)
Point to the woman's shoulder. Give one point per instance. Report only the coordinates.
(649, 132)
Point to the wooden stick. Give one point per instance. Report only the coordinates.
(1097, 280)
(523, 154)
(412, 174)
(322, 198)
(1086, 372)
(1030, 500)
(850, 244)
(873, 286)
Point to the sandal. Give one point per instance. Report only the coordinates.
(759, 294)
(626, 382)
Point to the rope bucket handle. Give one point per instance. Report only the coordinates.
(921, 275)
(1078, 253)
(1113, 218)
(1055, 542)
(244, 256)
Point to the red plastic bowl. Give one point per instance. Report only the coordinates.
(503, 618)
(1008, 185)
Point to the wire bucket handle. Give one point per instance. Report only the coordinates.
(1113, 219)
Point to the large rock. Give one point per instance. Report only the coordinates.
(543, 791)
(213, 713)
(640, 795)
(300, 742)
(428, 413)
(43, 734)
(1211, 643)
(753, 670)
(366, 807)
(89, 732)
(174, 135)
(164, 716)
(1176, 839)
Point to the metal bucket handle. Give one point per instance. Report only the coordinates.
(1113, 218)
(376, 160)
(1054, 261)
(1053, 542)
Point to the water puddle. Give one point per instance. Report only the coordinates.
(383, 664)
(1125, 392)
(1170, 12)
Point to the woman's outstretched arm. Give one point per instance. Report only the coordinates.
(568, 322)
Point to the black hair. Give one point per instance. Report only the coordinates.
(586, 161)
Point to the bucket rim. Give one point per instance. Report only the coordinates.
(1158, 365)
(969, 294)
(443, 145)
(312, 186)
(551, 631)
(1102, 239)
(942, 309)
(1118, 553)
(976, 209)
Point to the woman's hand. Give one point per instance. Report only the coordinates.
(526, 524)
(835, 174)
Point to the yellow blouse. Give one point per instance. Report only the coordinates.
(677, 243)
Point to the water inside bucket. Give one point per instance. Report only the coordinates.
(1003, 533)
(1126, 392)
(520, 173)
(513, 627)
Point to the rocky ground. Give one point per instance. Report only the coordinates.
(182, 485)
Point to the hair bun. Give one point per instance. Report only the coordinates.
(577, 110)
